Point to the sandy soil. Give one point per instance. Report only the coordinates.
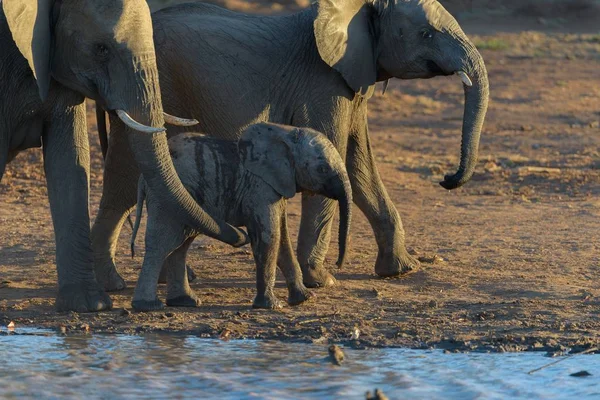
(518, 248)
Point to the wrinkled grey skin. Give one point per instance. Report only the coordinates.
(246, 184)
(53, 54)
(315, 68)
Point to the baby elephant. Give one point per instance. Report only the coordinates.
(245, 183)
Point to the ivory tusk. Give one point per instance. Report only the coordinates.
(133, 124)
(465, 78)
(385, 85)
(177, 121)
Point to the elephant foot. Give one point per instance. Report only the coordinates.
(191, 275)
(317, 277)
(299, 296)
(390, 264)
(189, 300)
(268, 301)
(109, 278)
(145, 305)
(82, 297)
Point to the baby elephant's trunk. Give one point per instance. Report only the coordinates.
(341, 191)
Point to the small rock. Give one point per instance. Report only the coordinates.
(336, 355)
(484, 315)
(85, 328)
(433, 304)
(225, 334)
(169, 314)
(320, 340)
(11, 326)
(63, 330)
(125, 312)
(526, 128)
(434, 259)
(355, 334)
(377, 396)
(491, 166)
(581, 374)
(595, 124)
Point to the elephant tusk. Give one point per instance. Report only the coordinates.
(133, 124)
(385, 85)
(177, 121)
(465, 78)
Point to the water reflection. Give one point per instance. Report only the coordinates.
(160, 366)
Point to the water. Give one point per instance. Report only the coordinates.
(44, 365)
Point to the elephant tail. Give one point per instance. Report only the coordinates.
(141, 195)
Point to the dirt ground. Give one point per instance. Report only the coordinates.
(518, 248)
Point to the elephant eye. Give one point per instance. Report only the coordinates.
(323, 169)
(426, 34)
(101, 50)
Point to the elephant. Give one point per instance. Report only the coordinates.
(245, 183)
(53, 55)
(316, 68)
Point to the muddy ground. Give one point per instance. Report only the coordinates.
(518, 248)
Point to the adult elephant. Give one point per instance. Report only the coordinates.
(316, 68)
(53, 55)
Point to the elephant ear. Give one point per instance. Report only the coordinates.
(265, 151)
(29, 23)
(344, 40)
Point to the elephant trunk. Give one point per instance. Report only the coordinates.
(342, 192)
(476, 103)
(152, 155)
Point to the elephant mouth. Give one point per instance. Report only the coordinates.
(435, 69)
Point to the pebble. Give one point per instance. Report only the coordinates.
(336, 355)
(378, 395)
(431, 259)
(581, 374)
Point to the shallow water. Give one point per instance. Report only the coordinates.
(45, 365)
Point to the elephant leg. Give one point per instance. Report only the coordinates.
(179, 293)
(162, 240)
(313, 239)
(318, 211)
(264, 230)
(191, 275)
(67, 167)
(289, 266)
(373, 200)
(119, 196)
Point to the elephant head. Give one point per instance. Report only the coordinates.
(373, 40)
(299, 159)
(104, 50)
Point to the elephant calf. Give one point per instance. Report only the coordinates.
(246, 183)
